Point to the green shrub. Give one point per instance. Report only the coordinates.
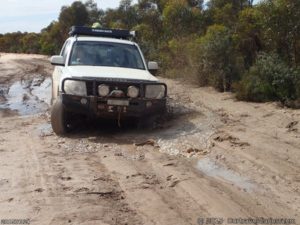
(178, 58)
(269, 79)
(217, 59)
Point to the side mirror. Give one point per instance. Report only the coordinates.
(57, 60)
(153, 67)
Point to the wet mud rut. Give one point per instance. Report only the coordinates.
(211, 158)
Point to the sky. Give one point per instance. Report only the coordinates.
(34, 15)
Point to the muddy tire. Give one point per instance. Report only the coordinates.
(59, 118)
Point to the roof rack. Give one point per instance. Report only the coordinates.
(101, 32)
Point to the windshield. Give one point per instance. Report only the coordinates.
(106, 54)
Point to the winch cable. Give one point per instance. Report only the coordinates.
(119, 116)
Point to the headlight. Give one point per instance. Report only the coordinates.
(75, 87)
(132, 92)
(155, 91)
(103, 90)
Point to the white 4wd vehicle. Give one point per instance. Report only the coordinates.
(99, 73)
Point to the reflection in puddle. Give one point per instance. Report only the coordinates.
(27, 98)
(210, 168)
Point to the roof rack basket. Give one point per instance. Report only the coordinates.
(101, 32)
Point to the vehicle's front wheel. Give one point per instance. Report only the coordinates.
(59, 118)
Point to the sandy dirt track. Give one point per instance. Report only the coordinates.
(213, 157)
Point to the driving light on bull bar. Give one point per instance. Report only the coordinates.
(155, 91)
(103, 90)
(83, 101)
(132, 92)
(75, 87)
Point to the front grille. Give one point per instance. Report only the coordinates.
(117, 87)
(92, 88)
(120, 84)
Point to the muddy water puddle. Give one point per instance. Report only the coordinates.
(212, 169)
(188, 133)
(25, 97)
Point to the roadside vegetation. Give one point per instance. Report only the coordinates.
(231, 45)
